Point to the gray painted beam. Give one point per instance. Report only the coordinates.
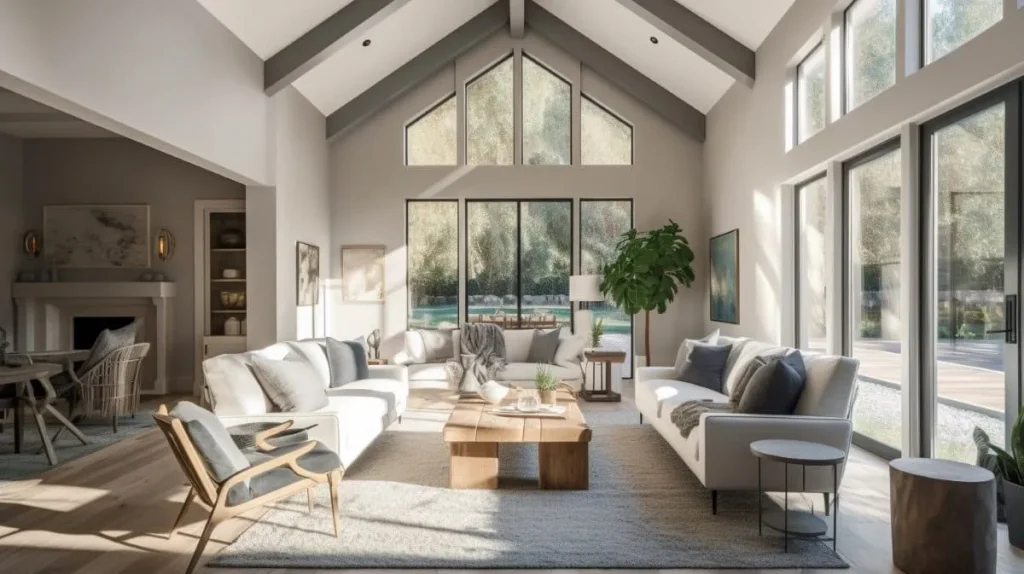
(419, 69)
(517, 18)
(687, 118)
(698, 35)
(323, 41)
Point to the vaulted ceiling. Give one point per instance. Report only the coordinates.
(703, 46)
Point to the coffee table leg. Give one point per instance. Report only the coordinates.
(473, 465)
(564, 465)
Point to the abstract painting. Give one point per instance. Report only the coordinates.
(362, 273)
(96, 236)
(307, 274)
(725, 277)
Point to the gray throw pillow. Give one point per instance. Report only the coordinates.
(438, 345)
(543, 346)
(684, 349)
(213, 442)
(705, 365)
(775, 388)
(108, 342)
(347, 361)
(292, 385)
(748, 373)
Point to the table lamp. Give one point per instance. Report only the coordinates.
(584, 289)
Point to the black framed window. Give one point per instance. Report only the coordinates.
(605, 138)
(519, 256)
(812, 296)
(602, 224)
(431, 138)
(547, 116)
(869, 27)
(490, 118)
(432, 263)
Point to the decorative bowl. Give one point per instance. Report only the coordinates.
(493, 392)
(232, 299)
(231, 238)
(230, 274)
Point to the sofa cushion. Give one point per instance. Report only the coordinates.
(527, 372)
(743, 351)
(543, 346)
(390, 393)
(347, 360)
(775, 388)
(830, 388)
(314, 352)
(517, 345)
(291, 384)
(669, 394)
(211, 439)
(705, 364)
(748, 370)
(234, 389)
(438, 345)
(428, 372)
(684, 349)
(570, 347)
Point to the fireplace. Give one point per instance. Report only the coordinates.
(85, 330)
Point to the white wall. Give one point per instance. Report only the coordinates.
(370, 185)
(162, 72)
(746, 164)
(12, 227)
(119, 171)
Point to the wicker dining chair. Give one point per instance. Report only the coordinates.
(112, 387)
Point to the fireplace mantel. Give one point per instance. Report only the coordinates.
(46, 312)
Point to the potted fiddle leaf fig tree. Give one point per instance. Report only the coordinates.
(647, 272)
(1011, 468)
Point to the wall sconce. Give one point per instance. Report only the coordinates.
(164, 245)
(31, 244)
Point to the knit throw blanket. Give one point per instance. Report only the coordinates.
(687, 415)
(487, 342)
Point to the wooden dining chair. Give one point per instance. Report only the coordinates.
(272, 473)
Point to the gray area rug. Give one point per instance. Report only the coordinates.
(644, 510)
(32, 462)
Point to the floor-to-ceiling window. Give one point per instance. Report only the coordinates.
(432, 251)
(518, 262)
(872, 275)
(602, 224)
(812, 265)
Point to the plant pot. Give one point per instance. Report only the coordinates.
(548, 397)
(1014, 513)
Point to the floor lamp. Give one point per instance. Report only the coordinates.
(584, 290)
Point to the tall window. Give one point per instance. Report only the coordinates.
(518, 262)
(490, 117)
(870, 49)
(432, 249)
(874, 205)
(602, 223)
(812, 268)
(547, 116)
(606, 139)
(948, 24)
(431, 139)
(810, 94)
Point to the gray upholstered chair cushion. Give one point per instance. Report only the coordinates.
(776, 387)
(705, 365)
(292, 385)
(347, 361)
(543, 346)
(108, 342)
(211, 439)
(320, 460)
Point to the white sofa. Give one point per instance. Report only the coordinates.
(355, 415)
(518, 371)
(718, 450)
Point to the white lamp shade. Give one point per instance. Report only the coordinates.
(585, 288)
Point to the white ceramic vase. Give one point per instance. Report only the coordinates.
(493, 392)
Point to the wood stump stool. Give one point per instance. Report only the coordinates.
(943, 516)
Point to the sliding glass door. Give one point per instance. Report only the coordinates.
(971, 360)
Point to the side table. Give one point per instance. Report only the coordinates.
(608, 358)
(376, 361)
(798, 524)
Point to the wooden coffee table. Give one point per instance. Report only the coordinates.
(473, 433)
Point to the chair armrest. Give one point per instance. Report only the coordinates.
(652, 373)
(396, 372)
(260, 438)
(325, 425)
(286, 459)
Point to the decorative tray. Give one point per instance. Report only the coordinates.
(543, 412)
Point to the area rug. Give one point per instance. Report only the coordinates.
(644, 509)
(32, 462)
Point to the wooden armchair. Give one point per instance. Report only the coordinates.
(111, 388)
(223, 497)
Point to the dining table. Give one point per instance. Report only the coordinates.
(22, 378)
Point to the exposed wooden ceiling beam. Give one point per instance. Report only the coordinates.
(698, 35)
(687, 118)
(344, 26)
(517, 18)
(419, 69)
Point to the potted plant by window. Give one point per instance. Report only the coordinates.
(546, 384)
(646, 274)
(1011, 468)
(596, 332)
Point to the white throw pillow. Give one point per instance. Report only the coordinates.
(292, 385)
(683, 354)
(569, 350)
(415, 350)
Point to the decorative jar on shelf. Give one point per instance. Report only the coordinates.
(232, 327)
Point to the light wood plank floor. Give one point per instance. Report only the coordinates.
(108, 513)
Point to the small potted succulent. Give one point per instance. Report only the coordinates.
(596, 332)
(1011, 468)
(547, 385)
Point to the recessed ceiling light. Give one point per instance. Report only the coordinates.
(654, 40)
(366, 43)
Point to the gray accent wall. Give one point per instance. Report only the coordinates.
(12, 227)
(370, 186)
(120, 171)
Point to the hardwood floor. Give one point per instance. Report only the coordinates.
(108, 513)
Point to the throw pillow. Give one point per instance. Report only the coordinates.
(705, 365)
(569, 351)
(684, 349)
(213, 442)
(438, 345)
(292, 386)
(748, 372)
(108, 342)
(775, 388)
(415, 352)
(347, 361)
(543, 346)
